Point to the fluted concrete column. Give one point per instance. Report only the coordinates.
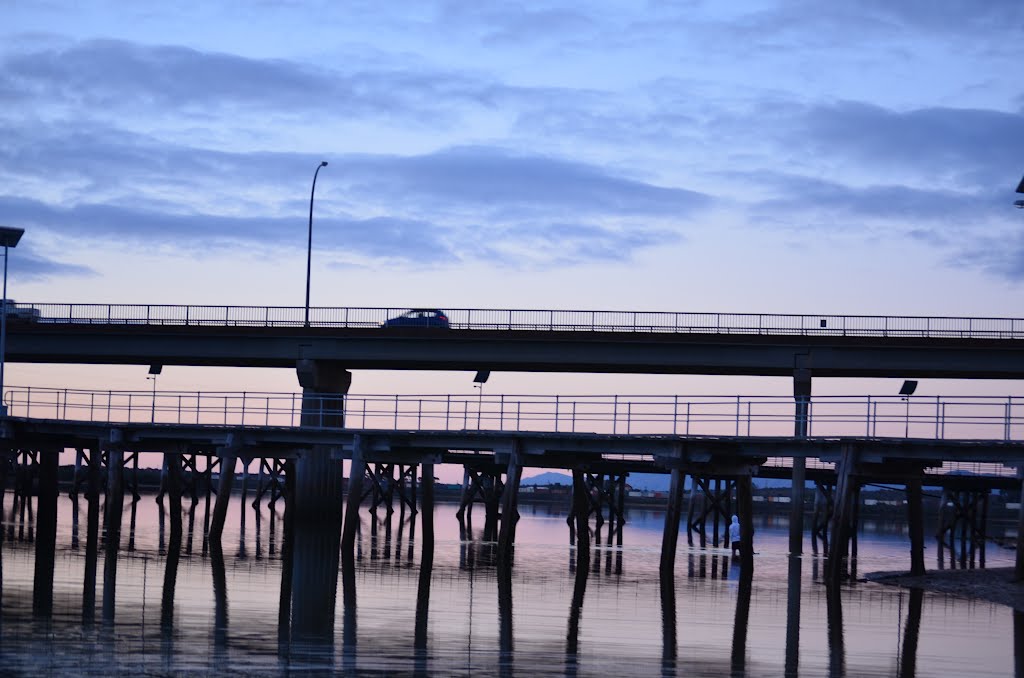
(318, 477)
(802, 396)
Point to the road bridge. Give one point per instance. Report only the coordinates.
(522, 340)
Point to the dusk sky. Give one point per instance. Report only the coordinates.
(767, 157)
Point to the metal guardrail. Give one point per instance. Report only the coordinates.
(938, 418)
(532, 320)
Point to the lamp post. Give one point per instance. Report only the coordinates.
(309, 247)
(154, 371)
(1019, 204)
(9, 237)
(907, 390)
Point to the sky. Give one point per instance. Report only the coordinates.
(750, 157)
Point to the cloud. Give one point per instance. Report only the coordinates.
(107, 77)
(908, 205)
(973, 148)
(492, 177)
(27, 265)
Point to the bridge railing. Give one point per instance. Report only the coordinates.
(527, 319)
(940, 417)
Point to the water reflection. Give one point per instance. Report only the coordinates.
(836, 648)
(908, 657)
(669, 643)
(739, 628)
(414, 616)
(793, 591)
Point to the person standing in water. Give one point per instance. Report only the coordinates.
(734, 535)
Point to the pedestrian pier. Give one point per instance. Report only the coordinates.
(390, 445)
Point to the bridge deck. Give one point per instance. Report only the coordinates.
(509, 340)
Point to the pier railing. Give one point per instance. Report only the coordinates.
(939, 417)
(963, 418)
(529, 319)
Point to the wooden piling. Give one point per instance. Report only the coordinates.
(841, 516)
(915, 521)
(673, 512)
(220, 510)
(581, 507)
(351, 520)
(509, 508)
(745, 500)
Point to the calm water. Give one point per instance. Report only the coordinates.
(608, 619)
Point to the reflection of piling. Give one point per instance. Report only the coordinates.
(92, 494)
(46, 535)
(836, 647)
(908, 656)
(739, 627)
(793, 591)
(426, 558)
(576, 610)
(669, 644)
(1018, 643)
(284, 610)
(505, 636)
(172, 487)
(220, 595)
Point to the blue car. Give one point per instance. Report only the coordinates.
(419, 317)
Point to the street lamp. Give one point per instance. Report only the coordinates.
(907, 390)
(309, 247)
(9, 237)
(1019, 204)
(154, 371)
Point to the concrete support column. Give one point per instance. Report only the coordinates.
(802, 396)
(318, 477)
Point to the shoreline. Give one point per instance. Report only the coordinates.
(994, 585)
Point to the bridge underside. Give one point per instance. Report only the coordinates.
(512, 350)
(585, 451)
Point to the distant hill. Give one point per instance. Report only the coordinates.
(548, 478)
(653, 482)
